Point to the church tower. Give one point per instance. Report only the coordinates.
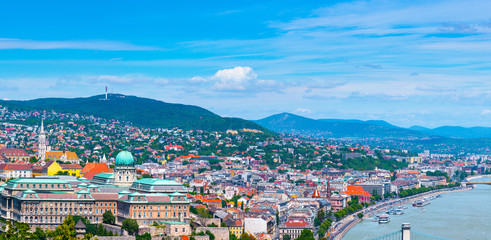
(42, 143)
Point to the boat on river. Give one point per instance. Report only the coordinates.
(421, 203)
(384, 218)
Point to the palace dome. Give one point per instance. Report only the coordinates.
(124, 158)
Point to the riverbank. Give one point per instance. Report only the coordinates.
(477, 176)
(342, 227)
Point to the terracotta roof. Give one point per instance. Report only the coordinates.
(13, 152)
(70, 166)
(296, 223)
(357, 191)
(12, 166)
(95, 167)
(58, 154)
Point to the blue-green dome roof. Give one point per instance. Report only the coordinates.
(124, 158)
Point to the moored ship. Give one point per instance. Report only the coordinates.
(384, 218)
(421, 203)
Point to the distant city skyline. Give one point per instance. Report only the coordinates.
(406, 62)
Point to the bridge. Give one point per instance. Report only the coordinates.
(476, 183)
(406, 234)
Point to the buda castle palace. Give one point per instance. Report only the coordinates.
(46, 200)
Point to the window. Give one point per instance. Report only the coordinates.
(134, 214)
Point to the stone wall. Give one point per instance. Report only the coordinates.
(115, 229)
(205, 237)
(114, 238)
(219, 232)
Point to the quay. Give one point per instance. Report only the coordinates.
(340, 228)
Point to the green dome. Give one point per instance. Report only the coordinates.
(124, 158)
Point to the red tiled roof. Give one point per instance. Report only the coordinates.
(13, 152)
(70, 166)
(357, 191)
(296, 223)
(13, 166)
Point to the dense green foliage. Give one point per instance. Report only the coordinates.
(352, 207)
(130, 225)
(414, 191)
(324, 227)
(293, 124)
(108, 217)
(438, 174)
(139, 111)
(370, 163)
(306, 235)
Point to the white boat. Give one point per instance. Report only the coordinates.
(399, 212)
(421, 203)
(384, 218)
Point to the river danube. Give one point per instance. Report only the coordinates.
(457, 215)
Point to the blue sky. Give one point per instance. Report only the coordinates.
(408, 62)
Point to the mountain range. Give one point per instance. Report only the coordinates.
(143, 112)
(152, 113)
(352, 128)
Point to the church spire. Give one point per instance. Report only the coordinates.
(42, 127)
(42, 143)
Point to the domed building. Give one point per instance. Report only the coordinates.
(124, 171)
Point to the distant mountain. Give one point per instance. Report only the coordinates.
(456, 131)
(374, 122)
(139, 111)
(336, 128)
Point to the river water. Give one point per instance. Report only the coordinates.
(457, 215)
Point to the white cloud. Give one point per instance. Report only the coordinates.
(303, 110)
(237, 78)
(486, 112)
(8, 43)
(198, 79)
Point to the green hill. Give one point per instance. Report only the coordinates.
(143, 112)
(335, 128)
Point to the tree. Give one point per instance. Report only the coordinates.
(202, 216)
(40, 234)
(287, 237)
(211, 235)
(306, 235)
(17, 230)
(145, 236)
(65, 231)
(360, 215)
(130, 225)
(246, 236)
(108, 217)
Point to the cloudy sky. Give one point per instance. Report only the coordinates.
(407, 62)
